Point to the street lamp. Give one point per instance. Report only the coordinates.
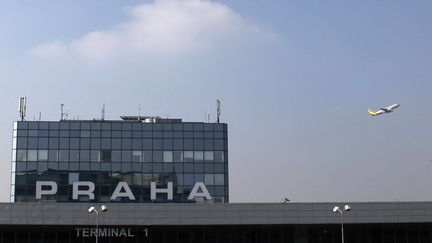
(93, 210)
(336, 209)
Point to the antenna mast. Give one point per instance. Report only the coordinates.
(218, 110)
(103, 112)
(63, 115)
(22, 107)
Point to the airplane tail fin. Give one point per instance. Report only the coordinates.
(372, 112)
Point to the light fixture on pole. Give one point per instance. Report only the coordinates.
(93, 210)
(336, 209)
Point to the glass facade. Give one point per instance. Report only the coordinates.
(108, 152)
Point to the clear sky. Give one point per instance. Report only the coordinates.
(295, 79)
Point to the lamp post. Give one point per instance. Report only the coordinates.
(93, 210)
(336, 209)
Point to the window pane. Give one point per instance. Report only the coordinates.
(219, 156)
(188, 156)
(168, 156)
(32, 155)
(219, 179)
(157, 156)
(63, 155)
(85, 155)
(116, 156)
(198, 156)
(43, 155)
(74, 155)
(136, 156)
(209, 179)
(21, 155)
(208, 156)
(147, 156)
(95, 156)
(106, 155)
(178, 156)
(53, 155)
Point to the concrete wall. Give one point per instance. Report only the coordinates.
(213, 214)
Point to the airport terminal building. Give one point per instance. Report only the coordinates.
(166, 181)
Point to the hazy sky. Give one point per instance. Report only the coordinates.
(295, 79)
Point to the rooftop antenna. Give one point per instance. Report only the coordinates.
(40, 116)
(218, 110)
(61, 112)
(22, 107)
(63, 115)
(139, 112)
(103, 112)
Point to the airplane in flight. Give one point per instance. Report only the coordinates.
(387, 109)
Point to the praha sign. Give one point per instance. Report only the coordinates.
(86, 188)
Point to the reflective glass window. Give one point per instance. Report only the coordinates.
(85, 134)
(157, 168)
(188, 167)
(33, 133)
(218, 144)
(74, 143)
(21, 155)
(198, 167)
(32, 143)
(219, 168)
(136, 144)
(43, 155)
(63, 155)
(106, 155)
(198, 178)
(53, 155)
(208, 156)
(219, 156)
(42, 166)
(75, 134)
(64, 143)
(85, 155)
(95, 156)
(219, 179)
(147, 144)
(188, 144)
(43, 133)
(157, 156)
(167, 156)
(147, 156)
(188, 156)
(136, 156)
(95, 143)
(116, 134)
(116, 143)
(126, 143)
(157, 144)
(147, 167)
(85, 143)
(126, 156)
(198, 156)
(209, 179)
(74, 155)
(32, 155)
(188, 179)
(75, 126)
(73, 177)
(64, 134)
(116, 156)
(105, 143)
(178, 156)
(21, 143)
